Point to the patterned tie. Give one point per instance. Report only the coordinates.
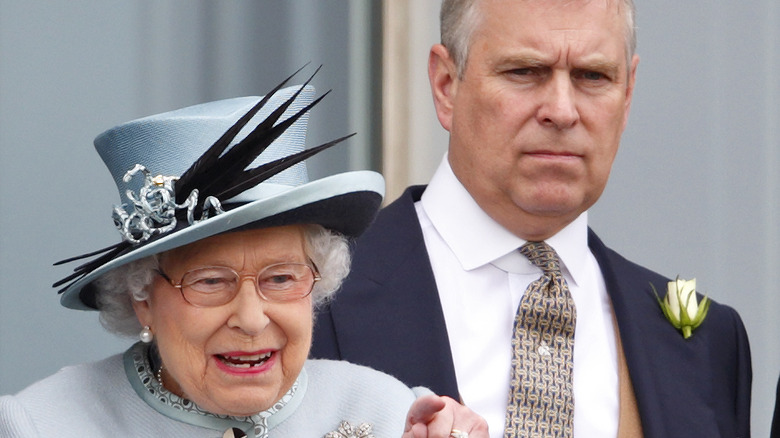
(541, 399)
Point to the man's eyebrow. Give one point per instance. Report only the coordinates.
(536, 61)
(523, 60)
(608, 67)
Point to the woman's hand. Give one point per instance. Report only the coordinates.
(441, 417)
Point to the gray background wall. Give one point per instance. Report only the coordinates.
(695, 190)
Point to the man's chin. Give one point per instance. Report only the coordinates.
(552, 205)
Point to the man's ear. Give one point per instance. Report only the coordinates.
(443, 76)
(630, 87)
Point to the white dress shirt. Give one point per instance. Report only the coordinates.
(481, 277)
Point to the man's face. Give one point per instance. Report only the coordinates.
(536, 118)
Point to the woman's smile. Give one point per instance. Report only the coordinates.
(243, 363)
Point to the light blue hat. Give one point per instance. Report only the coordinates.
(232, 164)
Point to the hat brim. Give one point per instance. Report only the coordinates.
(346, 202)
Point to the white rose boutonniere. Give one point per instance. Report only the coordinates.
(681, 307)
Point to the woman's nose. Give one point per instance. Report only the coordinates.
(249, 309)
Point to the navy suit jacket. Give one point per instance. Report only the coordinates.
(388, 316)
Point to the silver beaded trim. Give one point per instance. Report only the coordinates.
(259, 422)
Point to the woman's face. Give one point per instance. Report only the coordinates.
(241, 357)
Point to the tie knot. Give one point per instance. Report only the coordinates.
(542, 256)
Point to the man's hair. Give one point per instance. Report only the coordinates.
(459, 18)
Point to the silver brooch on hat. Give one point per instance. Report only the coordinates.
(154, 207)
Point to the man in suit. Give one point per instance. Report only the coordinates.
(535, 95)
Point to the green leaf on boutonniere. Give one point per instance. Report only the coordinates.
(680, 306)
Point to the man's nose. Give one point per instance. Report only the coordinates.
(558, 108)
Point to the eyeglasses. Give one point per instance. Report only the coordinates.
(217, 285)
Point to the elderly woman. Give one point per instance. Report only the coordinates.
(224, 257)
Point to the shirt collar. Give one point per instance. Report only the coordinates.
(451, 209)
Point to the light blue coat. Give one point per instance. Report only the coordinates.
(98, 400)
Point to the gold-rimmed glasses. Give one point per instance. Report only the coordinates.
(212, 286)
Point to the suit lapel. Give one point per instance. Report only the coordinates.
(666, 371)
(390, 315)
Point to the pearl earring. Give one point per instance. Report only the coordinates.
(146, 335)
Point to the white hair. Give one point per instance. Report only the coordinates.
(116, 290)
(459, 18)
